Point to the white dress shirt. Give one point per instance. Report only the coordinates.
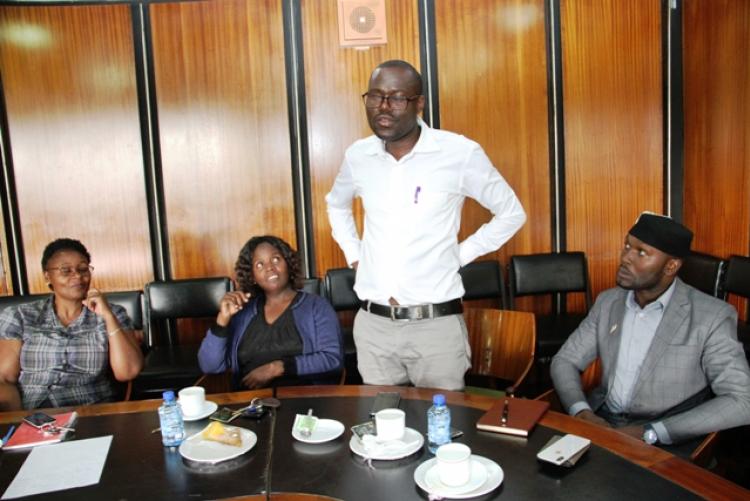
(410, 250)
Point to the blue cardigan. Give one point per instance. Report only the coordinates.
(318, 326)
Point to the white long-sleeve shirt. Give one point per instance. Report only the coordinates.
(409, 249)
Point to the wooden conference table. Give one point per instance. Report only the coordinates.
(138, 467)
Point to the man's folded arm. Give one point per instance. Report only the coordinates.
(727, 373)
(339, 202)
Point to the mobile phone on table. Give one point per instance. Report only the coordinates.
(39, 419)
(225, 415)
(385, 400)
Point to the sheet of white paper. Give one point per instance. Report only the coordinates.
(56, 467)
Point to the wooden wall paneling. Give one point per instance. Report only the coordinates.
(717, 126)
(219, 71)
(612, 100)
(498, 97)
(69, 81)
(335, 79)
(5, 282)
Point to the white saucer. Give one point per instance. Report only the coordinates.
(478, 477)
(492, 481)
(208, 409)
(325, 431)
(411, 436)
(196, 448)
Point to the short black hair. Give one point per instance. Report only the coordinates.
(63, 244)
(398, 63)
(243, 269)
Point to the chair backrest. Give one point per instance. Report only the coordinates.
(502, 342)
(11, 301)
(190, 298)
(548, 274)
(704, 272)
(313, 285)
(132, 301)
(339, 283)
(737, 276)
(484, 280)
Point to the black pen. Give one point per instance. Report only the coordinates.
(506, 411)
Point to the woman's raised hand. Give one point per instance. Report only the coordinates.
(96, 302)
(231, 303)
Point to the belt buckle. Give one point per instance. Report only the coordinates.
(393, 313)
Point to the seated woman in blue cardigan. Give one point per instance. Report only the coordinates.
(270, 333)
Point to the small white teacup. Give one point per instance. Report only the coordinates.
(192, 400)
(454, 464)
(390, 424)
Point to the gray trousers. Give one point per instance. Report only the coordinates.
(433, 353)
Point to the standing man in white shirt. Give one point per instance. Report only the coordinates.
(412, 181)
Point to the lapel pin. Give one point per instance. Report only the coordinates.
(614, 328)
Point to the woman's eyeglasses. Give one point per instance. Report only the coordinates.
(67, 271)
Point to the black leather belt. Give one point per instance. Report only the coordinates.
(418, 312)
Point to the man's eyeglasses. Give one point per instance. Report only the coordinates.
(67, 271)
(396, 103)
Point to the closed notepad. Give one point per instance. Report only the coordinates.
(522, 416)
(28, 436)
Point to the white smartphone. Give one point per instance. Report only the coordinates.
(564, 449)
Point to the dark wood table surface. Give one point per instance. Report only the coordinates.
(138, 467)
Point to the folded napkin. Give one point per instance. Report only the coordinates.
(374, 447)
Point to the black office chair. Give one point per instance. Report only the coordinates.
(737, 282)
(484, 280)
(313, 286)
(130, 300)
(9, 301)
(170, 364)
(704, 272)
(339, 288)
(551, 274)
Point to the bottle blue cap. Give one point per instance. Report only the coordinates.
(168, 395)
(438, 399)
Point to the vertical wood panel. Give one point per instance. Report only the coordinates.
(335, 80)
(224, 132)
(717, 125)
(498, 97)
(69, 80)
(612, 93)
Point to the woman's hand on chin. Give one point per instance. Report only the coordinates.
(261, 376)
(230, 305)
(96, 302)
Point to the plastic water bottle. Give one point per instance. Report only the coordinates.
(438, 423)
(170, 419)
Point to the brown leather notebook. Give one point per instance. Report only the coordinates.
(521, 416)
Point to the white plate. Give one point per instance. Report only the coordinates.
(494, 479)
(208, 409)
(197, 449)
(325, 431)
(410, 436)
(478, 477)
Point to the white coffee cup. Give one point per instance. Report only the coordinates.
(390, 424)
(454, 464)
(192, 400)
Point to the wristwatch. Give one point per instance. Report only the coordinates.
(649, 435)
